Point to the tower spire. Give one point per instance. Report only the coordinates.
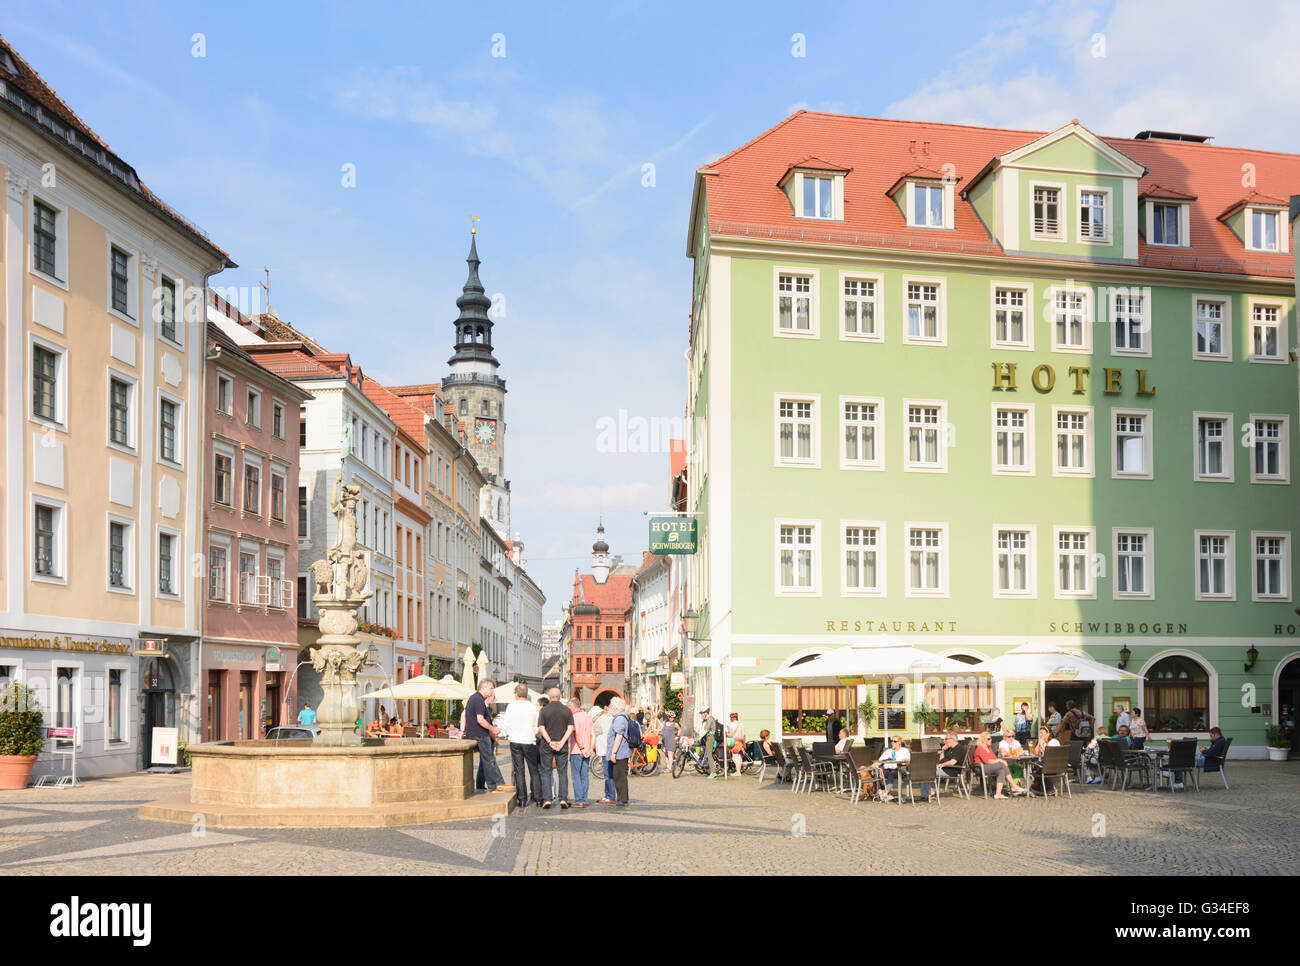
(473, 325)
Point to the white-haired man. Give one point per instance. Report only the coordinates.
(619, 749)
(479, 728)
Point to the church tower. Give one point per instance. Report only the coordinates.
(600, 563)
(479, 395)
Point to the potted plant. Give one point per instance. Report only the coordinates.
(867, 715)
(1279, 742)
(927, 716)
(22, 735)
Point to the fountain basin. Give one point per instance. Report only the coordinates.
(269, 784)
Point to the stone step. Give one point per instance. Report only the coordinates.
(181, 810)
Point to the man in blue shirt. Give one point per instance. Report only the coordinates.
(619, 750)
(307, 717)
(479, 728)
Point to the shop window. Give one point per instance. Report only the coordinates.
(1178, 695)
(803, 710)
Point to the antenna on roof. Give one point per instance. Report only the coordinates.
(266, 285)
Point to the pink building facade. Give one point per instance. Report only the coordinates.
(250, 506)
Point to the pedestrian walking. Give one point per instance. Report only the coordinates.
(709, 733)
(519, 722)
(668, 741)
(479, 728)
(555, 726)
(619, 750)
(581, 748)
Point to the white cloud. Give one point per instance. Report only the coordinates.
(1201, 70)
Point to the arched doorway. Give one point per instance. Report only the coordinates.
(1286, 696)
(605, 696)
(804, 710)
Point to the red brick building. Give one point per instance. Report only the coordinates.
(601, 607)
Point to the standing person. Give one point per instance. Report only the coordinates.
(383, 718)
(709, 734)
(1124, 720)
(833, 725)
(307, 717)
(1023, 724)
(581, 747)
(668, 741)
(555, 726)
(1137, 730)
(600, 726)
(1053, 717)
(519, 722)
(619, 750)
(479, 728)
(736, 740)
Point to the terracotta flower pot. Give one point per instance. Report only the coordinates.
(16, 770)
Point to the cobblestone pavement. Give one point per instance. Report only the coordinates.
(692, 825)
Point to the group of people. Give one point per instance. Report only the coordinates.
(553, 743)
(712, 734)
(382, 726)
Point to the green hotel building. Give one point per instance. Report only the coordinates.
(975, 388)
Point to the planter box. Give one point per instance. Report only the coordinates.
(16, 770)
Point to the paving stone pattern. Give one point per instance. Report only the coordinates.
(691, 825)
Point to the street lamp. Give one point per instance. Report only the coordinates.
(372, 656)
(1124, 655)
(689, 621)
(1252, 655)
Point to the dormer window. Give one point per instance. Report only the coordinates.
(1165, 224)
(1094, 215)
(1047, 213)
(1262, 231)
(927, 206)
(818, 197)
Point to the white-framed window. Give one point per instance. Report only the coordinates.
(1212, 328)
(1074, 562)
(1262, 229)
(225, 394)
(218, 569)
(796, 303)
(166, 298)
(1271, 556)
(1132, 447)
(304, 514)
(928, 205)
(862, 433)
(274, 590)
(252, 486)
(1014, 561)
(818, 196)
(924, 314)
(223, 477)
(1213, 441)
(249, 555)
(1271, 456)
(1048, 215)
(860, 303)
(1072, 441)
(277, 419)
(117, 704)
(49, 233)
(1130, 321)
(49, 540)
(122, 283)
(278, 496)
(1011, 316)
(1135, 563)
(253, 408)
(925, 425)
(49, 382)
(121, 560)
(169, 547)
(797, 440)
(121, 411)
(1013, 440)
(171, 429)
(1267, 331)
(67, 701)
(1167, 221)
(927, 559)
(862, 555)
(798, 558)
(1071, 319)
(1215, 572)
(1094, 214)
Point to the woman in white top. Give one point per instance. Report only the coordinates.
(1009, 747)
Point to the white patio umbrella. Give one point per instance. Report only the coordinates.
(506, 693)
(467, 677)
(878, 662)
(424, 687)
(1045, 662)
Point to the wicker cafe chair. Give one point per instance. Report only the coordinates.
(1076, 761)
(962, 754)
(815, 771)
(793, 764)
(858, 758)
(1180, 760)
(1056, 764)
(874, 747)
(1223, 770)
(1118, 764)
(921, 770)
(776, 760)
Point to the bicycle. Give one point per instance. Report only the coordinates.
(640, 765)
(692, 752)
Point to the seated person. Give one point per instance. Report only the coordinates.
(453, 731)
(951, 755)
(373, 730)
(1045, 741)
(886, 766)
(995, 767)
(1211, 758)
(1092, 758)
(1123, 735)
(395, 726)
(765, 743)
(844, 739)
(1010, 747)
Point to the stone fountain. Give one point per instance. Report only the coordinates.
(337, 779)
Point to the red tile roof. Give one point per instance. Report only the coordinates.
(407, 417)
(613, 597)
(743, 199)
(1160, 191)
(1254, 198)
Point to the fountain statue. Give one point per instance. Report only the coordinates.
(340, 591)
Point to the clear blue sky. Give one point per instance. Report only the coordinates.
(546, 145)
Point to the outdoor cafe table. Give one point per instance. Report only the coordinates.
(1026, 761)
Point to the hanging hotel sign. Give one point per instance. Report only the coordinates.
(672, 535)
(152, 647)
(272, 659)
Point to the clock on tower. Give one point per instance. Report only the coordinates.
(485, 431)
